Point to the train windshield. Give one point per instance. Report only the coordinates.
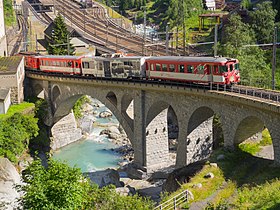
(236, 66)
(222, 69)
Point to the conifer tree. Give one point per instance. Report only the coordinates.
(59, 39)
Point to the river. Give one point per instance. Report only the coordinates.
(93, 153)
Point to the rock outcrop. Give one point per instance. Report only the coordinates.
(9, 177)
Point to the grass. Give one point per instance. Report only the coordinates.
(241, 180)
(24, 108)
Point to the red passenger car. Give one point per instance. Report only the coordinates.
(216, 70)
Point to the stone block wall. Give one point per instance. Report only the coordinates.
(200, 142)
(157, 142)
(65, 132)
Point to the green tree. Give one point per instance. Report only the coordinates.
(60, 40)
(57, 186)
(276, 5)
(15, 134)
(263, 22)
(237, 36)
(246, 4)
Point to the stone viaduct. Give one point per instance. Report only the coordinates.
(241, 116)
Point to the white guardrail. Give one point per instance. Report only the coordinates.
(175, 202)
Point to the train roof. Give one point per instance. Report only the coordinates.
(69, 57)
(190, 59)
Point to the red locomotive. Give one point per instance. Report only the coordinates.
(215, 70)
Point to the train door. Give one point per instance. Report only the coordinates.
(106, 66)
(211, 71)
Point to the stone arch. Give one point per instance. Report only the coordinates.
(126, 102)
(39, 91)
(155, 110)
(55, 92)
(111, 96)
(65, 106)
(247, 127)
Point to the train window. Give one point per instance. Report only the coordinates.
(171, 67)
(222, 69)
(85, 65)
(152, 67)
(47, 63)
(182, 68)
(157, 67)
(77, 65)
(200, 69)
(236, 66)
(231, 67)
(190, 69)
(69, 64)
(164, 67)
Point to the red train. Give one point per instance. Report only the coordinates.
(216, 70)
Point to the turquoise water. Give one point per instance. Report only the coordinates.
(93, 153)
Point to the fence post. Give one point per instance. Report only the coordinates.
(174, 203)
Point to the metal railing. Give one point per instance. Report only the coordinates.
(175, 202)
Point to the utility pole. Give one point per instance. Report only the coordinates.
(36, 43)
(274, 58)
(68, 45)
(144, 35)
(184, 29)
(166, 39)
(216, 40)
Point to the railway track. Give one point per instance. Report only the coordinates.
(97, 24)
(20, 37)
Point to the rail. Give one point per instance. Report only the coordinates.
(175, 202)
(271, 95)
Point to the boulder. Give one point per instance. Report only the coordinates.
(209, 175)
(87, 108)
(114, 129)
(105, 114)
(105, 177)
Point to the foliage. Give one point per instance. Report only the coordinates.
(243, 182)
(9, 15)
(59, 186)
(237, 36)
(107, 198)
(266, 138)
(60, 39)
(250, 147)
(263, 22)
(15, 134)
(276, 5)
(175, 12)
(78, 106)
(246, 4)
(17, 108)
(265, 196)
(40, 142)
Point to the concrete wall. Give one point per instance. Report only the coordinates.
(15, 83)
